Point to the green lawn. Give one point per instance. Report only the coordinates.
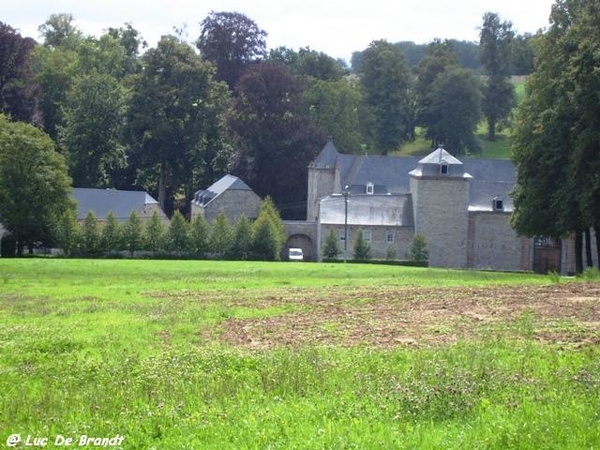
(247, 355)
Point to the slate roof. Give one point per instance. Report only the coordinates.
(102, 201)
(368, 210)
(327, 158)
(490, 178)
(228, 183)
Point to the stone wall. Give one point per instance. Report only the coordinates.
(440, 207)
(233, 203)
(321, 182)
(493, 244)
(380, 247)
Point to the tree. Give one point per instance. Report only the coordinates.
(232, 42)
(175, 126)
(521, 54)
(439, 57)
(555, 142)
(68, 232)
(310, 63)
(499, 95)
(92, 130)
(133, 233)
(90, 235)
(178, 236)
(265, 240)
(418, 250)
(34, 184)
(453, 111)
(199, 237)
(20, 94)
(220, 236)
(275, 139)
(154, 237)
(111, 239)
(331, 249)
(387, 83)
(362, 249)
(59, 31)
(335, 106)
(241, 247)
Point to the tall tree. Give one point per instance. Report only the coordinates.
(336, 107)
(175, 125)
(60, 31)
(454, 111)
(34, 184)
(387, 83)
(232, 42)
(439, 57)
(555, 142)
(92, 131)
(19, 93)
(499, 95)
(276, 140)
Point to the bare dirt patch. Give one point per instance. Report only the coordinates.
(394, 316)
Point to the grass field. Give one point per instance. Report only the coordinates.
(245, 355)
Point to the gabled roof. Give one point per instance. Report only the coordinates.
(102, 201)
(227, 183)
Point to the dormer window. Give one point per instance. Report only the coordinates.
(498, 204)
(370, 188)
(444, 169)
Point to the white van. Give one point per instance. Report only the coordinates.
(295, 254)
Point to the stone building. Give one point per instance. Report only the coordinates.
(461, 207)
(229, 195)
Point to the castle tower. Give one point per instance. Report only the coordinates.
(440, 190)
(321, 179)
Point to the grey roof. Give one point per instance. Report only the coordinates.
(439, 156)
(490, 178)
(387, 171)
(327, 158)
(368, 210)
(102, 201)
(227, 183)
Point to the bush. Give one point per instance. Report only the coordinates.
(362, 249)
(418, 249)
(331, 249)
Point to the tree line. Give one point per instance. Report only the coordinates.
(261, 239)
(556, 140)
(173, 118)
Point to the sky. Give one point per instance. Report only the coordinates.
(335, 27)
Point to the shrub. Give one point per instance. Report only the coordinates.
(418, 249)
(362, 249)
(154, 236)
(177, 238)
(331, 249)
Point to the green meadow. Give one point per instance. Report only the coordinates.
(253, 355)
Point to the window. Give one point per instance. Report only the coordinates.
(342, 235)
(370, 188)
(367, 235)
(498, 204)
(390, 237)
(444, 169)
